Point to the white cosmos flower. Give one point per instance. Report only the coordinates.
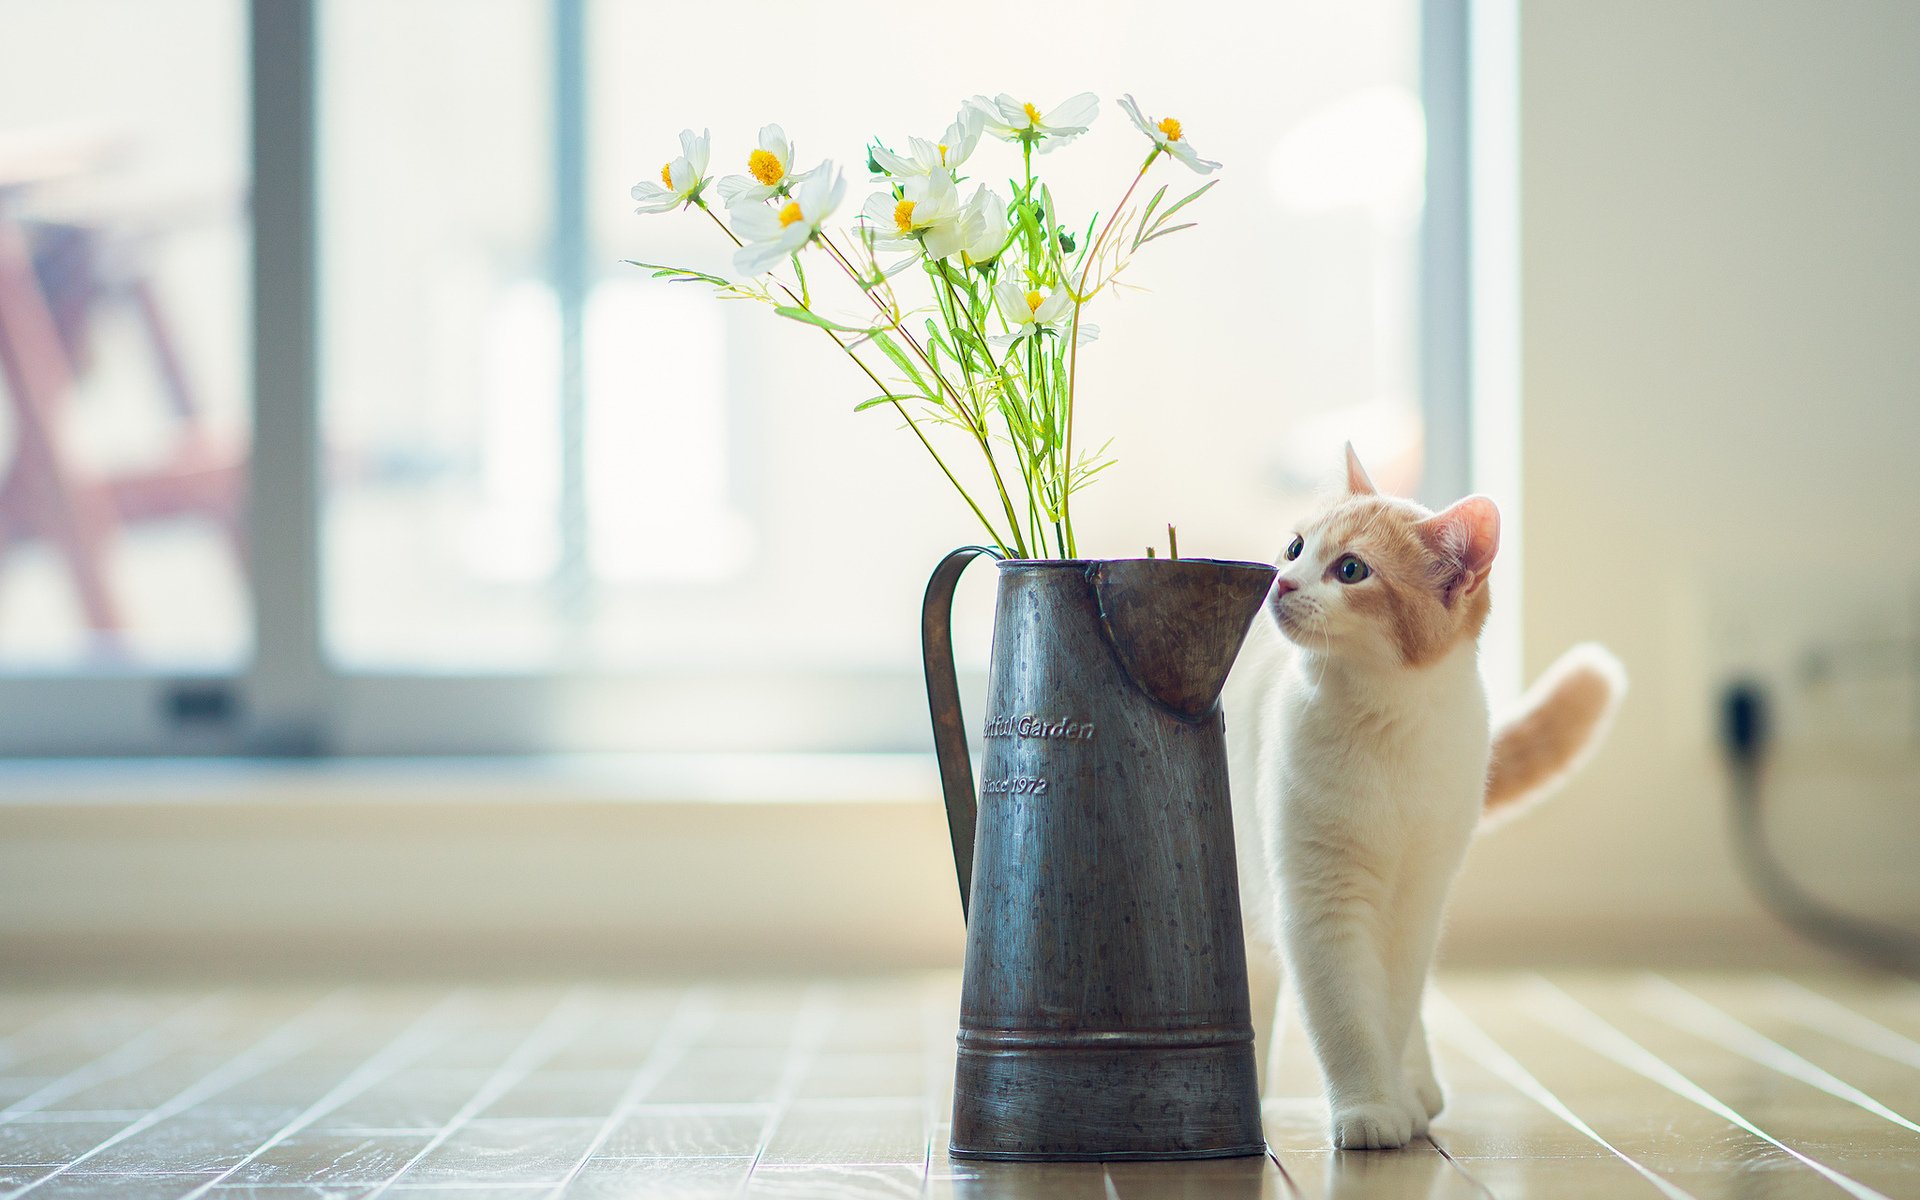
(1168, 134)
(986, 228)
(924, 157)
(769, 171)
(680, 180)
(1031, 310)
(927, 210)
(1013, 120)
(773, 232)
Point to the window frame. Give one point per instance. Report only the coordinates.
(291, 702)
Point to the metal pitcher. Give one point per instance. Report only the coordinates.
(1104, 1011)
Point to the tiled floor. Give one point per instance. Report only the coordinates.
(1567, 1085)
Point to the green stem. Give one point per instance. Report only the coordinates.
(978, 423)
(1011, 397)
(977, 420)
(1073, 340)
(884, 390)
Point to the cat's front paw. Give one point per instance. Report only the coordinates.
(1379, 1125)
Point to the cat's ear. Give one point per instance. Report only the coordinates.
(1357, 482)
(1464, 537)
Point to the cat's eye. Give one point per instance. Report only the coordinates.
(1295, 547)
(1351, 570)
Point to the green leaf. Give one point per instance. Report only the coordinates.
(807, 317)
(678, 274)
(888, 398)
(892, 350)
(1146, 214)
(1164, 232)
(1198, 192)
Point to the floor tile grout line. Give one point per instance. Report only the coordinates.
(1456, 1165)
(1597, 1034)
(665, 1053)
(1273, 1156)
(419, 1035)
(122, 1060)
(1466, 1035)
(1842, 1023)
(1668, 1001)
(285, 1040)
(809, 1032)
(541, 1042)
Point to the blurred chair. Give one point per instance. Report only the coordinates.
(56, 279)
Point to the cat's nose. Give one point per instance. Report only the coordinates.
(1282, 586)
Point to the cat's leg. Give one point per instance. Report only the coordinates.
(1418, 907)
(1335, 955)
(1419, 1069)
(1277, 1036)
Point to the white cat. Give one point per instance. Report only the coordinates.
(1363, 761)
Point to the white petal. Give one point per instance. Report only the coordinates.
(910, 261)
(879, 208)
(1133, 113)
(925, 153)
(834, 192)
(1012, 111)
(755, 258)
(944, 239)
(1186, 154)
(755, 223)
(736, 190)
(893, 164)
(773, 140)
(1012, 298)
(1075, 112)
(695, 149)
(1053, 308)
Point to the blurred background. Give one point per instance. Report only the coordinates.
(391, 578)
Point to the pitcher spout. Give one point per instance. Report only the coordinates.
(1176, 625)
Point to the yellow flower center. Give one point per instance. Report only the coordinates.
(1033, 114)
(765, 167)
(1034, 301)
(790, 213)
(943, 154)
(666, 174)
(1170, 127)
(903, 216)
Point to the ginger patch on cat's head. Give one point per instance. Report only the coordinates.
(1380, 578)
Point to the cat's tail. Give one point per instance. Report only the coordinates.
(1553, 730)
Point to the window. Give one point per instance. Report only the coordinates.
(123, 347)
(513, 495)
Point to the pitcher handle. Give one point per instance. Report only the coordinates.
(943, 702)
